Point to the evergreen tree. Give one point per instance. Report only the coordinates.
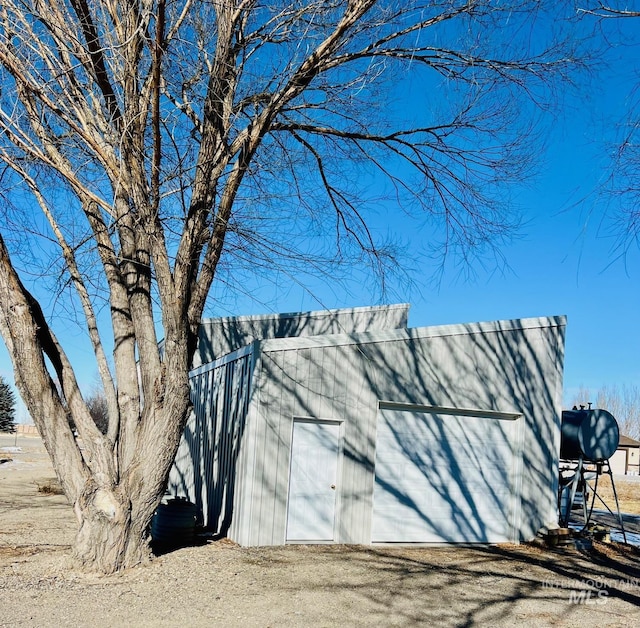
(7, 407)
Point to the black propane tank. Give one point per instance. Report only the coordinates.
(592, 434)
(173, 524)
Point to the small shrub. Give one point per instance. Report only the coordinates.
(50, 487)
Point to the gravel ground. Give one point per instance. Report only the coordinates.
(221, 584)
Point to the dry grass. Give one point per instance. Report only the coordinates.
(628, 494)
(49, 487)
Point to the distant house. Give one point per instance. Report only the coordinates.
(346, 426)
(626, 459)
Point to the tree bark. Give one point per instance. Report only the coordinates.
(171, 135)
(108, 539)
(113, 502)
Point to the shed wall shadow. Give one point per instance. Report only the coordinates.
(234, 458)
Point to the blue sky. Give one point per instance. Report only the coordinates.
(564, 259)
(561, 263)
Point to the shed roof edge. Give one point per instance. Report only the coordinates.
(436, 331)
(311, 314)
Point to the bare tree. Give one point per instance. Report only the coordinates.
(98, 409)
(622, 186)
(152, 146)
(606, 10)
(622, 401)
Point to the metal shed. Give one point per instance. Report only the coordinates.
(220, 336)
(394, 435)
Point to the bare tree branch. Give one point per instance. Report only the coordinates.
(170, 146)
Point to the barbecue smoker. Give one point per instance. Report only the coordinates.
(589, 438)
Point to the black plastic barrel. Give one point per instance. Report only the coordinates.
(590, 434)
(173, 524)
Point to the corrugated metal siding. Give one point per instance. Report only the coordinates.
(234, 457)
(219, 336)
(309, 383)
(205, 467)
(503, 368)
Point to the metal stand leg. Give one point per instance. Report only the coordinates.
(572, 493)
(605, 468)
(615, 495)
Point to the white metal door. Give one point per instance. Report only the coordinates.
(441, 477)
(312, 481)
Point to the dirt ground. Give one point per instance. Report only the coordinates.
(627, 490)
(220, 584)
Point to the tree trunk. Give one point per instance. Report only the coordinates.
(113, 521)
(114, 486)
(109, 538)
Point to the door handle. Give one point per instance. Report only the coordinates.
(333, 487)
